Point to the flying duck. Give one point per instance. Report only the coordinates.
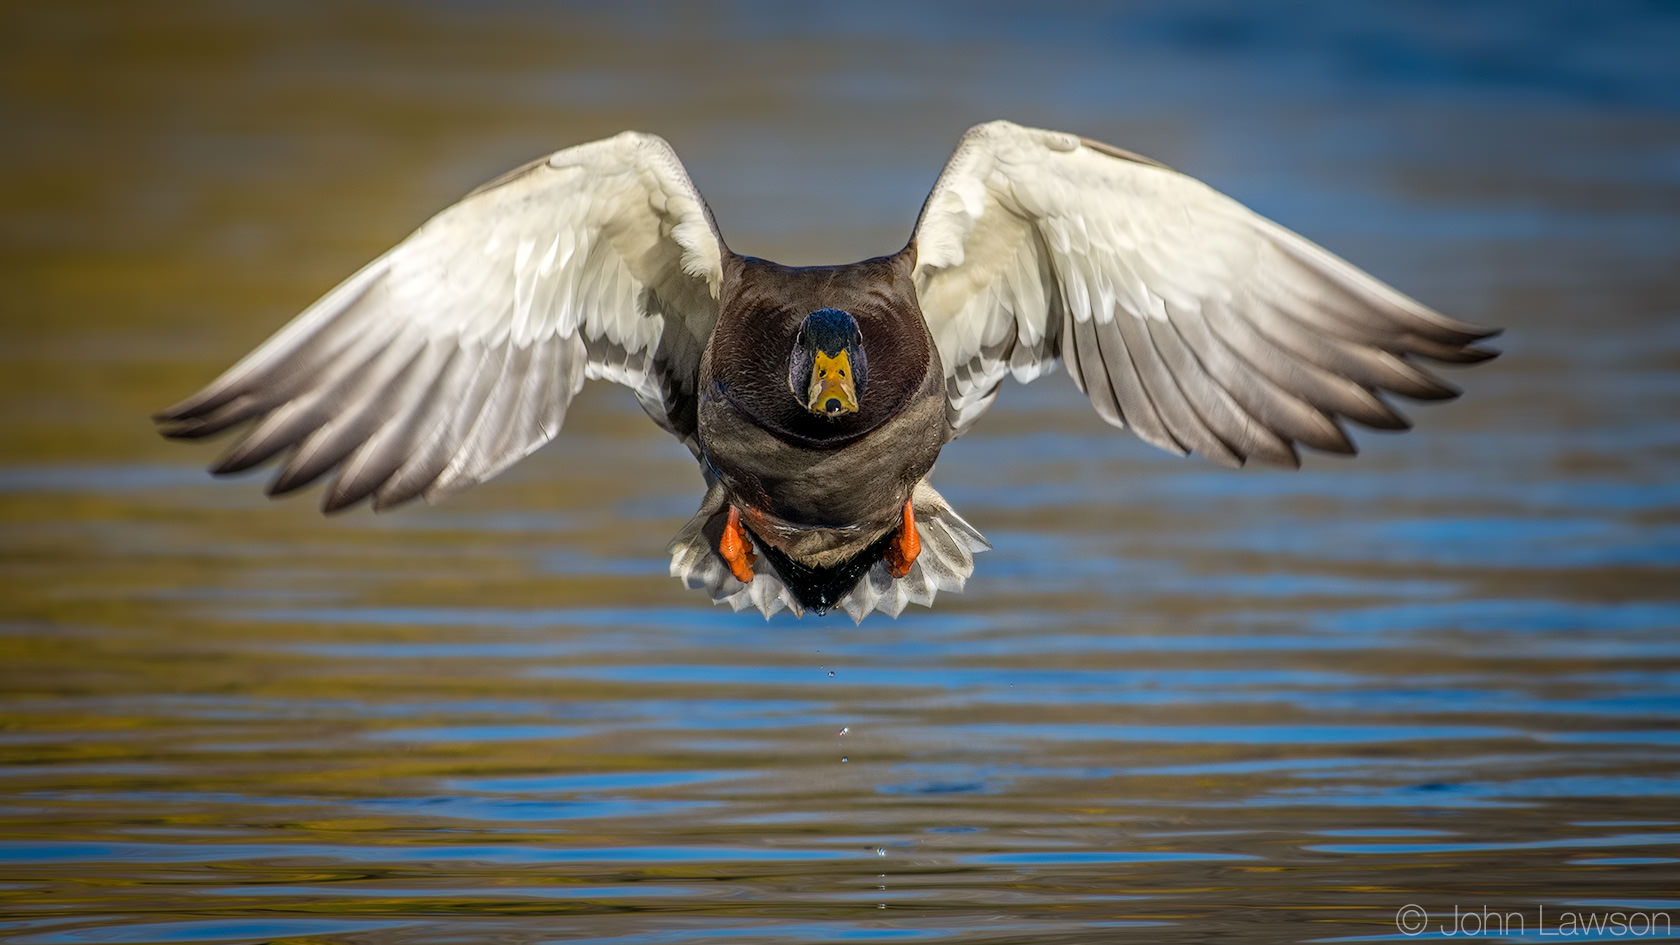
(817, 398)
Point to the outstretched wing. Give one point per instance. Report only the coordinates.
(1182, 314)
(456, 353)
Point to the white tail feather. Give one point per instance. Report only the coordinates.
(948, 547)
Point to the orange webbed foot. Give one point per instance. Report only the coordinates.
(901, 554)
(736, 548)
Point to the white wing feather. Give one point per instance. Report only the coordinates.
(1184, 315)
(457, 352)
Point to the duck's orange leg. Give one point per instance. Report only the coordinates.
(901, 554)
(736, 548)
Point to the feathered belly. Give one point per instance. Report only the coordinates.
(820, 505)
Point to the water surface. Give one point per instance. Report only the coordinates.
(1175, 704)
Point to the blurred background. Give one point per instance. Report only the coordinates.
(1175, 703)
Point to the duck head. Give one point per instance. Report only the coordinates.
(828, 368)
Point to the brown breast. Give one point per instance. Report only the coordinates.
(761, 307)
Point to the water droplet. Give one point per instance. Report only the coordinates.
(845, 729)
(844, 759)
(831, 672)
(880, 905)
(880, 851)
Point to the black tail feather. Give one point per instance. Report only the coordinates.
(821, 588)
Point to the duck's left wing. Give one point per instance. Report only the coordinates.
(1183, 315)
(457, 352)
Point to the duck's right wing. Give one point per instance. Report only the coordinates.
(457, 352)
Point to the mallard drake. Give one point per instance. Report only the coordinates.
(817, 398)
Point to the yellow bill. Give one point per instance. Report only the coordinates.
(832, 390)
